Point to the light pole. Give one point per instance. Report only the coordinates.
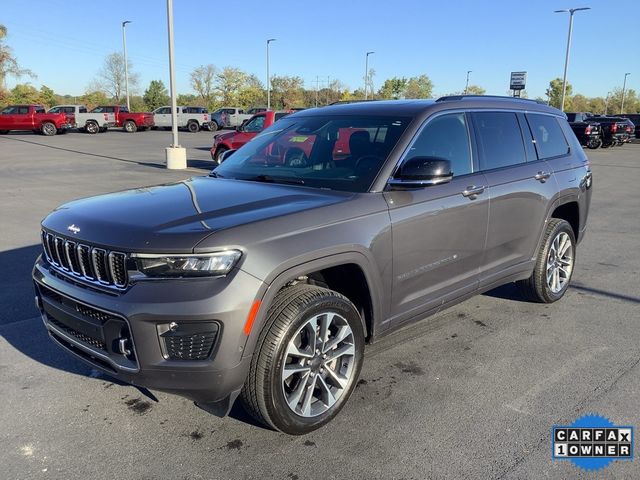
(570, 11)
(624, 88)
(268, 77)
(175, 154)
(126, 67)
(366, 73)
(466, 86)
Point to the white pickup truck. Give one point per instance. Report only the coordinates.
(90, 122)
(228, 117)
(190, 118)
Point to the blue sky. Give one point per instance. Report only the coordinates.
(65, 42)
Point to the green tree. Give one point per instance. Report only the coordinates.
(596, 105)
(24, 93)
(155, 95)
(9, 65)
(287, 92)
(475, 90)
(419, 87)
(554, 92)
(252, 94)
(631, 102)
(187, 99)
(580, 103)
(393, 88)
(202, 82)
(47, 96)
(228, 83)
(94, 98)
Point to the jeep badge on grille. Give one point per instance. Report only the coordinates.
(73, 229)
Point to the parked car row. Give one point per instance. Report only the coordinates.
(61, 118)
(595, 131)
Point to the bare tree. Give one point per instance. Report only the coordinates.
(8, 63)
(203, 82)
(111, 76)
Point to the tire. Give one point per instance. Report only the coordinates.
(103, 129)
(130, 126)
(309, 397)
(48, 129)
(193, 127)
(214, 126)
(4, 132)
(539, 287)
(219, 153)
(594, 143)
(92, 127)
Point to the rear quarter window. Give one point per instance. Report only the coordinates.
(499, 139)
(548, 136)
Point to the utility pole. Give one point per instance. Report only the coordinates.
(570, 11)
(366, 73)
(466, 86)
(268, 75)
(624, 88)
(175, 154)
(126, 66)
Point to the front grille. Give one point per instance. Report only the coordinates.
(85, 261)
(94, 342)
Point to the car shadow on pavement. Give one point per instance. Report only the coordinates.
(508, 291)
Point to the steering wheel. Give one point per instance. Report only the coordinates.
(367, 163)
(296, 158)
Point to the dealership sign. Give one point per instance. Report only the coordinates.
(518, 80)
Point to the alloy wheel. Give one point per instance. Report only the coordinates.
(559, 262)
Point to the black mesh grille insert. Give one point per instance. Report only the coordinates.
(188, 341)
(94, 342)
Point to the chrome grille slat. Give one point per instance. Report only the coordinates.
(92, 264)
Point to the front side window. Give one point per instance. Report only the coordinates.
(550, 141)
(254, 125)
(499, 139)
(302, 151)
(9, 111)
(38, 110)
(23, 110)
(445, 137)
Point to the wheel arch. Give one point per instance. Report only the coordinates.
(348, 273)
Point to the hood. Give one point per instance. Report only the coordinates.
(173, 218)
(225, 136)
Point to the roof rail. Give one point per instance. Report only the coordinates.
(448, 98)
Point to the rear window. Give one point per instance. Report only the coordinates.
(547, 133)
(571, 117)
(499, 139)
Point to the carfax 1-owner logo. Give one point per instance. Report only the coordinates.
(592, 442)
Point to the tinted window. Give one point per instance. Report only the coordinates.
(23, 110)
(256, 124)
(39, 110)
(499, 139)
(445, 137)
(550, 141)
(571, 117)
(279, 115)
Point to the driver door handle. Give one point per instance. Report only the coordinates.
(472, 192)
(542, 176)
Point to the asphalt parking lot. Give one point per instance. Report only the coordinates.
(469, 393)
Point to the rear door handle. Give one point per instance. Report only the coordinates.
(472, 192)
(542, 176)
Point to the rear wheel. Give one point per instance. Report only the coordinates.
(307, 360)
(193, 127)
(48, 129)
(92, 127)
(130, 126)
(554, 265)
(214, 126)
(219, 153)
(594, 143)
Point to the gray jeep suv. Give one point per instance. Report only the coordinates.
(329, 230)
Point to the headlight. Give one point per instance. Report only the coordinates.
(203, 265)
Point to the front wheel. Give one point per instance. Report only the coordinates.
(554, 265)
(193, 127)
(213, 126)
(219, 152)
(48, 129)
(307, 360)
(130, 126)
(594, 143)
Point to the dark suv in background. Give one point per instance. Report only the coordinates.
(266, 279)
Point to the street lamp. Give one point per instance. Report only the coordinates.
(466, 87)
(570, 11)
(126, 67)
(624, 87)
(366, 73)
(175, 154)
(269, 78)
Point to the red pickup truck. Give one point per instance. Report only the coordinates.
(244, 133)
(35, 118)
(130, 121)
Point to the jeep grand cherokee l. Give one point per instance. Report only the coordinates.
(266, 279)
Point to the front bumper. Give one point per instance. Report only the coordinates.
(101, 327)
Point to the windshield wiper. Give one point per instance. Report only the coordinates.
(270, 179)
(215, 175)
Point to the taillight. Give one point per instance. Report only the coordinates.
(587, 130)
(614, 128)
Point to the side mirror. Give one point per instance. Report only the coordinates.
(422, 172)
(226, 154)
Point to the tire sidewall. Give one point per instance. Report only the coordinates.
(279, 412)
(48, 129)
(92, 128)
(550, 296)
(129, 126)
(193, 127)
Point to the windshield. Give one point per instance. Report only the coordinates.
(333, 152)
